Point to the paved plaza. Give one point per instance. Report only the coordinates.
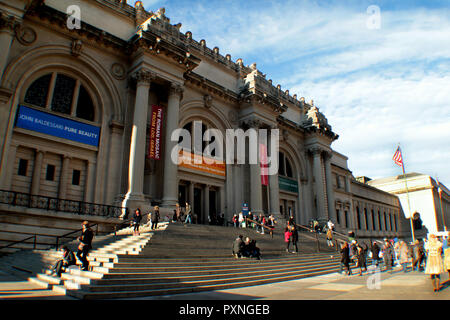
(395, 286)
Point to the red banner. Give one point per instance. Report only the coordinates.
(154, 150)
(263, 164)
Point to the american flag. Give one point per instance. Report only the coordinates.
(398, 157)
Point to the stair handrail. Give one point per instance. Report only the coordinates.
(72, 232)
(260, 224)
(20, 241)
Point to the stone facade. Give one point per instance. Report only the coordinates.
(119, 63)
(428, 200)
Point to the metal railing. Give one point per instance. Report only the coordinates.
(261, 225)
(14, 198)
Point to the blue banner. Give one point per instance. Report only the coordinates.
(34, 120)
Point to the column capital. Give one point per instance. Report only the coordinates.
(327, 155)
(176, 89)
(143, 76)
(315, 151)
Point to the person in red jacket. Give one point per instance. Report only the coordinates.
(287, 238)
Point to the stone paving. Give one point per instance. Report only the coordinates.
(392, 286)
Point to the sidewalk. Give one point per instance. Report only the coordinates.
(395, 286)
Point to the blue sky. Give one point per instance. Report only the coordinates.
(377, 87)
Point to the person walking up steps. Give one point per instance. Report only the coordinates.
(155, 218)
(434, 261)
(287, 238)
(330, 237)
(294, 238)
(85, 245)
(345, 259)
(137, 217)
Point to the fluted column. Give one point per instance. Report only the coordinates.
(170, 168)
(329, 187)
(135, 195)
(204, 218)
(63, 181)
(191, 197)
(320, 194)
(7, 25)
(90, 180)
(36, 179)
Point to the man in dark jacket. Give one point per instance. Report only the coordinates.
(85, 245)
(155, 218)
(388, 255)
(67, 260)
(238, 246)
(375, 253)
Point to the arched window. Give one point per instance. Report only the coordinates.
(63, 94)
(284, 166)
(190, 127)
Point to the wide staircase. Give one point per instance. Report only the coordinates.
(192, 258)
(178, 258)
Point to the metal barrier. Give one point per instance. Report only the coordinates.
(14, 198)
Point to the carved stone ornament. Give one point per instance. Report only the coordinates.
(25, 35)
(233, 117)
(176, 89)
(143, 76)
(77, 46)
(118, 71)
(207, 99)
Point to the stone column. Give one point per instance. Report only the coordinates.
(64, 179)
(135, 195)
(204, 218)
(222, 201)
(7, 171)
(320, 194)
(255, 189)
(191, 197)
(36, 179)
(6, 36)
(170, 168)
(329, 187)
(90, 180)
(114, 163)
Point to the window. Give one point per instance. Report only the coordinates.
(23, 165)
(50, 174)
(76, 177)
(379, 221)
(38, 91)
(358, 217)
(346, 218)
(338, 218)
(365, 219)
(373, 221)
(385, 222)
(284, 166)
(68, 96)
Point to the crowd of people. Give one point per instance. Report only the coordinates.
(429, 256)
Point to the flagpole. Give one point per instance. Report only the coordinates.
(409, 205)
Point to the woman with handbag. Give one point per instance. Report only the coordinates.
(434, 265)
(85, 245)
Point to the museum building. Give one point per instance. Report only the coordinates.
(87, 113)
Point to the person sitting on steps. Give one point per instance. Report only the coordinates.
(238, 246)
(67, 260)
